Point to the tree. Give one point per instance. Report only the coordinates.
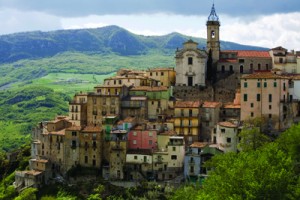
(27, 194)
(251, 136)
(259, 174)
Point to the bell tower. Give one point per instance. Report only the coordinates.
(213, 34)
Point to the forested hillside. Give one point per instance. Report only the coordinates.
(108, 40)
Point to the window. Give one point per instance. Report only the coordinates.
(245, 84)
(270, 116)
(265, 84)
(150, 134)
(86, 159)
(280, 60)
(120, 82)
(259, 66)
(223, 130)
(252, 114)
(267, 66)
(270, 97)
(251, 105)
(230, 68)
(162, 73)
(258, 97)
(190, 112)
(135, 157)
(245, 97)
(223, 68)
(174, 148)
(241, 60)
(258, 84)
(150, 142)
(228, 140)
(134, 133)
(74, 133)
(275, 84)
(190, 60)
(173, 157)
(133, 141)
(73, 143)
(150, 73)
(94, 162)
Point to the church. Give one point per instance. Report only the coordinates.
(192, 64)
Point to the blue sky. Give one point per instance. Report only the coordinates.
(267, 23)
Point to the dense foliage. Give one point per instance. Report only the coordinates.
(270, 171)
(21, 109)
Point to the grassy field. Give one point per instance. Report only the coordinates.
(70, 83)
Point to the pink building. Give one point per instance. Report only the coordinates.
(139, 138)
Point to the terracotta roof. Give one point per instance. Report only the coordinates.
(199, 144)
(231, 105)
(129, 119)
(187, 104)
(169, 132)
(74, 128)
(148, 88)
(249, 53)
(228, 124)
(92, 129)
(60, 132)
(210, 104)
(229, 60)
(263, 75)
(108, 86)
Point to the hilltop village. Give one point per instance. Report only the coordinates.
(164, 123)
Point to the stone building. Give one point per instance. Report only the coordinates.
(209, 118)
(190, 65)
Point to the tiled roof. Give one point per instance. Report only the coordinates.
(228, 124)
(187, 104)
(231, 105)
(249, 53)
(229, 60)
(148, 88)
(210, 104)
(74, 128)
(60, 132)
(169, 132)
(92, 129)
(265, 75)
(199, 144)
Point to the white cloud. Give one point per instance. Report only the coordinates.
(268, 31)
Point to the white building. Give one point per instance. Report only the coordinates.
(190, 65)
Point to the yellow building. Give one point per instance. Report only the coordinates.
(187, 120)
(166, 76)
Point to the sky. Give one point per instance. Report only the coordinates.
(266, 23)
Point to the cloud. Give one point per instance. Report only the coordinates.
(79, 8)
(268, 31)
(12, 21)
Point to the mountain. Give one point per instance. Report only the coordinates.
(110, 39)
